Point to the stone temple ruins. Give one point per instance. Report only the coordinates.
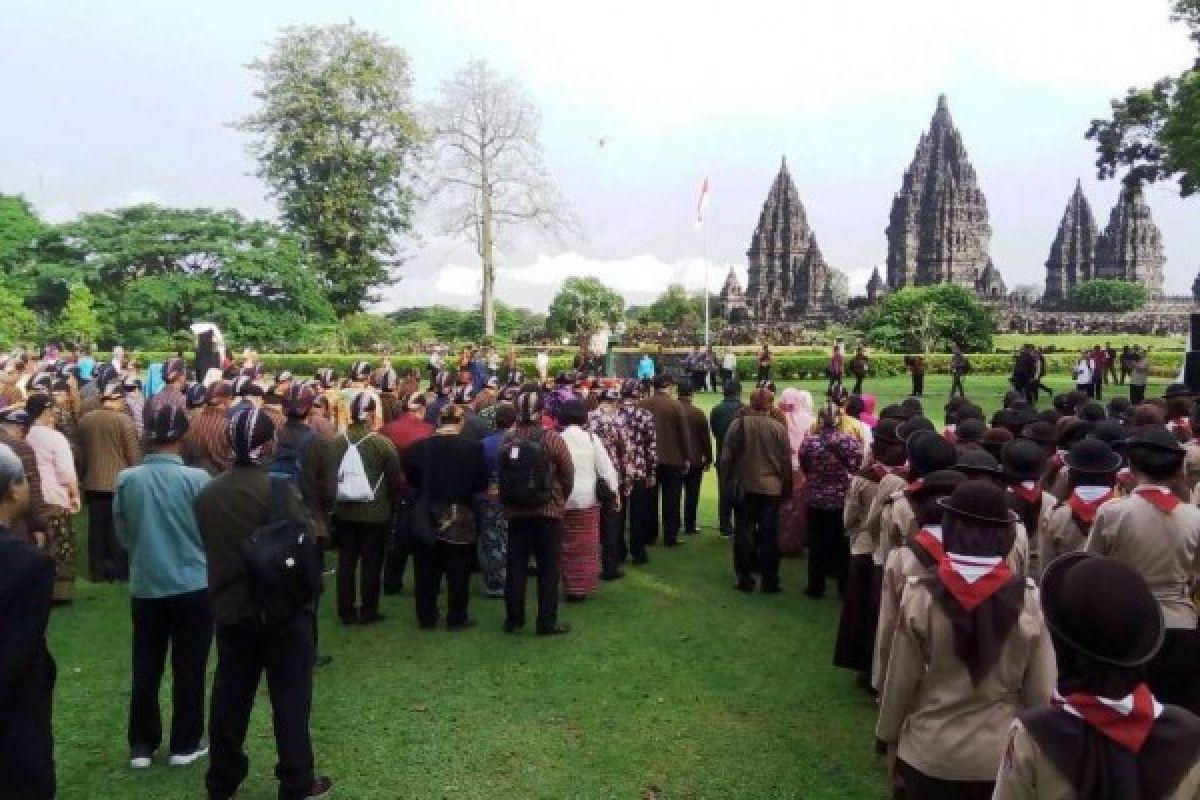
(938, 232)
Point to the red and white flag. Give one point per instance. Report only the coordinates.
(702, 204)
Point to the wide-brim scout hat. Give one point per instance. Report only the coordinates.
(1102, 609)
(1092, 457)
(980, 501)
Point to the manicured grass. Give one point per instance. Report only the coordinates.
(671, 686)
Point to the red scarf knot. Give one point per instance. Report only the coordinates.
(950, 434)
(1127, 721)
(1162, 499)
(1058, 461)
(930, 537)
(1029, 491)
(1085, 501)
(915, 486)
(973, 579)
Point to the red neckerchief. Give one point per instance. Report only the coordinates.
(1086, 509)
(1127, 721)
(915, 486)
(1057, 460)
(877, 472)
(1181, 423)
(1162, 499)
(930, 537)
(1125, 477)
(973, 579)
(1029, 491)
(950, 435)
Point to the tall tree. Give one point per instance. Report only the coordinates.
(1154, 131)
(582, 305)
(79, 321)
(336, 137)
(490, 172)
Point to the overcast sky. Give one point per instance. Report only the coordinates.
(111, 102)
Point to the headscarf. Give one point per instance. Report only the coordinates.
(796, 405)
(248, 433)
(867, 417)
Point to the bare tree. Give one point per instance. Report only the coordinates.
(485, 141)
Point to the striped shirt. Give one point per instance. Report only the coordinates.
(205, 445)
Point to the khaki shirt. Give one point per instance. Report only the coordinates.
(1058, 535)
(883, 493)
(1191, 463)
(942, 724)
(1035, 563)
(1026, 773)
(1163, 548)
(859, 498)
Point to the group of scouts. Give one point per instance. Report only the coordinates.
(1022, 598)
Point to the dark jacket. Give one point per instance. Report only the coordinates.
(671, 427)
(27, 670)
(447, 468)
(698, 432)
(758, 453)
(229, 509)
(721, 417)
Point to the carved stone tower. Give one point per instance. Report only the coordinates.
(1072, 259)
(1130, 249)
(938, 231)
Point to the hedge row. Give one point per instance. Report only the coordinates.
(785, 367)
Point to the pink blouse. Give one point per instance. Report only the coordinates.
(56, 464)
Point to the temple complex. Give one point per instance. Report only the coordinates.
(787, 278)
(939, 231)
(1073, 254)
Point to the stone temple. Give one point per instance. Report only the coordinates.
(1072, 258)
(787, 278)
(938, 231)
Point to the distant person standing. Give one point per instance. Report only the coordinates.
(719, 420)
(860, 365)
(108, 443)
(1110, 363)
(674, 455)
(542, 364)
(645, 370)
(1099, 367)
(837, 368)
(1127, 359)
(764, 363)
(959, 367)
(829, 459)
(916, 370)
(1083, 374)
(27, 670)
(728, 367)
(1024, 374)
(702, 446)
(60, 488)
(1139, 375)
(710, 362)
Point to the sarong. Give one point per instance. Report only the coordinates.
(581, 551)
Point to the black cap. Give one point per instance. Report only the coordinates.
(1102, 609)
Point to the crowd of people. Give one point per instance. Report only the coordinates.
(1017, 592)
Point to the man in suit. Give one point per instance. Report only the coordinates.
(26, 668)
(108, 442)
(674, 454)
(702, 442)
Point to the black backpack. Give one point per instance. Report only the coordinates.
(282, 565)
(524, 473)
(286, 462)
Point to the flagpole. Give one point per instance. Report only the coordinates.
(706, 291)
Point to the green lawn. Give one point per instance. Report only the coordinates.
(671, 686)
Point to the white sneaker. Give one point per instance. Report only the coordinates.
(184, 759)
(141, 762)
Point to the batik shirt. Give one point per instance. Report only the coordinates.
(829, 459)
(638, 423)
(615, 438)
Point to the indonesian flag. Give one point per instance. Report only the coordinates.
(702, 204)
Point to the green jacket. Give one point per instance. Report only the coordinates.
(382, 464)
(721, 417)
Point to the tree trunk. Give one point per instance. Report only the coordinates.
(487, 255)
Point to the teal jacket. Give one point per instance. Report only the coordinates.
(152, 513)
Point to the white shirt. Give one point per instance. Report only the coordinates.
(1083, 372)
(591, 461)
(729, 362)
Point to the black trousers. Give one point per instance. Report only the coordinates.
(107, 559)
(184, 624)
(27, 735)
(399, 548)
(956, 386)
(1137, 393)
(244, 652)
(726, 377)
(430, 563)
(913, 785)
(858, 379)
(669, 492)
(828, 551)
(541, 537)
(610, 540)
(1098, 387)
(699, 376)
(724, 507)
(918, 384)
(756, 540)
(359, 542)
(692, 480)
(643, 519)
(764, 374)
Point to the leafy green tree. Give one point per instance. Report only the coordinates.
(452, 325)
(925, 319)
(155, 270)
(675, 308)
(1154, 131)
(1107, 295)
(365, 332)
(18, 325)
(19, 229)
(79, 321)
(582, 305)
(336, 138)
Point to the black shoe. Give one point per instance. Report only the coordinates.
(676, 543)
(322, 661)
(349, 620)
(726, 533)
(371, 619)
(320, 789)
(744, 587)
(813, 595)
(470, 623)
(392, 591)
(575, 598)
(558, 630)
(613, 576)
(772, 589)
(637, 562)
(513, 627)
(692, 532)
(428, 626)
